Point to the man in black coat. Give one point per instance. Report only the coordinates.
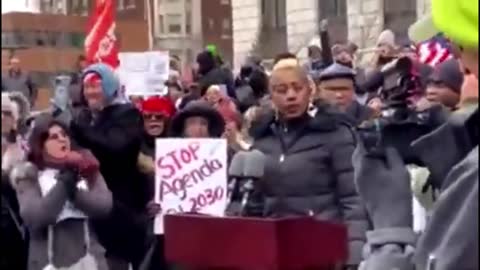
(113, 130)
(212, 74)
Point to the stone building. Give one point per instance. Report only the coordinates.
(258, 27)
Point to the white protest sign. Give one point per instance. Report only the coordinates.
(144, 73)
(190, 176)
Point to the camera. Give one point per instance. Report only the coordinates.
(400, 123)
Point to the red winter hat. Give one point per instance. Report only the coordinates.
(160, 105)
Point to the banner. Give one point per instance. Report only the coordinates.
(101, 45)
(144, 73)
(190, 176)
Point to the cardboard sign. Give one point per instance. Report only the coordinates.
(190, 176)
(144, 73)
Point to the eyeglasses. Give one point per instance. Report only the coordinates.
(152, 116)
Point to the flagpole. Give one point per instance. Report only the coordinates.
(148, 6)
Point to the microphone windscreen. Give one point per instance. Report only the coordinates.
(254, 164)
(237, 164)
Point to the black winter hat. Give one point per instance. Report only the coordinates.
(448, 73)
(216, 123)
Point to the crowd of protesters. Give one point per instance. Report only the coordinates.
(79, 192)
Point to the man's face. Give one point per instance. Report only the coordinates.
(174, 93)
(344, 58)
(14, 64)
(94, 96)
(290, 92)
(440, 93)
(339, 92)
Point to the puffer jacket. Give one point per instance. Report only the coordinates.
(311, 172)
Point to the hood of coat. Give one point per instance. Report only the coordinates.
(216, 123)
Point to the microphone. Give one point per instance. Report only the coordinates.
(253, 170)
(235, 172)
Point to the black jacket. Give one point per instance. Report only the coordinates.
(115, 138)
(311, 172)
(218, 76)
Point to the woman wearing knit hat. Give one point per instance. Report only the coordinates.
(157, 112)
(450, 153)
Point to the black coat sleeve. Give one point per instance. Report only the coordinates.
(327, 56)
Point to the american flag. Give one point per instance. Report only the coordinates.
(434, 51)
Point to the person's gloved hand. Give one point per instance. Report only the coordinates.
(384, 186)
(86, 164)
(70, 178)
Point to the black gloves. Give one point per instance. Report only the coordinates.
(70, 178)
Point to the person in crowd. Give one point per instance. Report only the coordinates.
(308, 156)
(450, 239)
(14, 111)
(13, 248)
(469, 93)
(320, 58)
(197, 120)
(59, 190)
(76, 82)
(222, 103)
(211, 74)
(175, 92)
(343, 54)
(445, 84)
(157, 112)
(111, 129)
(386, 49)
(337, 84)
(19, 80)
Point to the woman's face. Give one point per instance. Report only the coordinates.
(196, 127)
(154, 124)
(57, 144)
(213, 96)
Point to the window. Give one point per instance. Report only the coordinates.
(161, 25)
(174, 23)
(225, 2)
(120, 4)
(211, 23)
(399, 16)
(130, 4)
(85, 7)
(188, 22)
(77, 40)
(336, 13)
(226, 25)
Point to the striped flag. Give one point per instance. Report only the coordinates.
(434, 51)
(101, 44)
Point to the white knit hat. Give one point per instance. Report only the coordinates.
(9, 105)
(387, 37)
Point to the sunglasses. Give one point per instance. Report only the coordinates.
(152, 116)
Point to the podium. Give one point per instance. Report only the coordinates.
(236, 243)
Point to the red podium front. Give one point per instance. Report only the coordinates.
(205, 242)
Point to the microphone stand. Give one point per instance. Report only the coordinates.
(247, 188)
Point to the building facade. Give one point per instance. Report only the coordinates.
(353, 20)
(184, 27)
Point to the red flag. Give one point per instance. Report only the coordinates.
(101, 44)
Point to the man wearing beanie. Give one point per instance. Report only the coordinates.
(337, 85)
(450, 153)
(445, 84)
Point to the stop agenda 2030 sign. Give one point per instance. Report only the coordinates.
(190, 176)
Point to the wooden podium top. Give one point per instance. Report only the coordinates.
(205, 242)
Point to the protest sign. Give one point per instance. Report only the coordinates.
(190, 176)
(144, 73)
